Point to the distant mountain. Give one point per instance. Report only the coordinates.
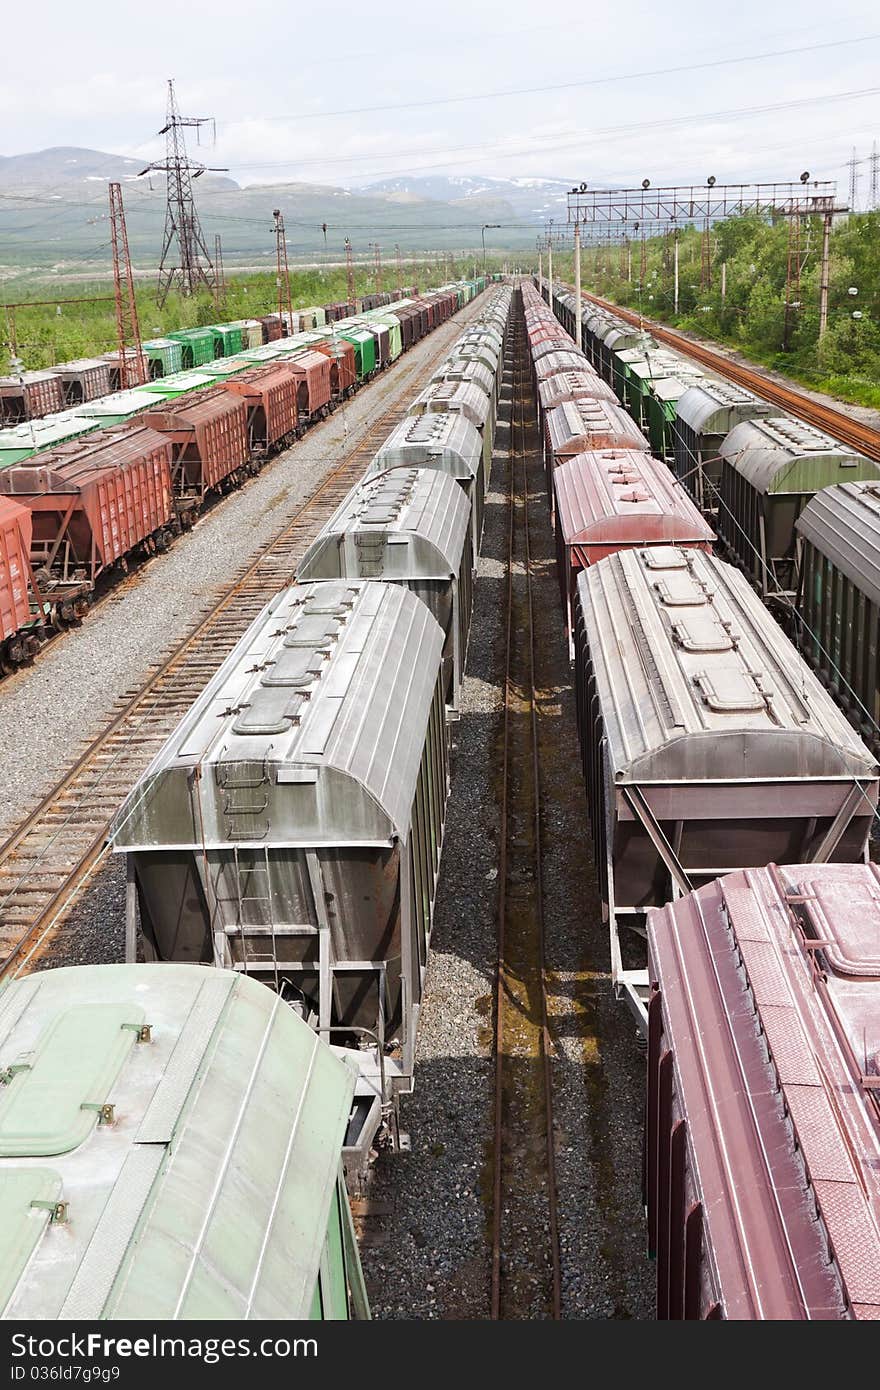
(532, 199)
(54, 211)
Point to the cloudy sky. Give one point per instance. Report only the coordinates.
(607, 94)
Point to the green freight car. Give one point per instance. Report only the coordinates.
(197, 344)
(170, 1148)
(165, 356)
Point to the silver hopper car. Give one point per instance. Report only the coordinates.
(408, 526)
(708, 744)
(291, 827)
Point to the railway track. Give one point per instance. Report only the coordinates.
(526, 1274)
(49, 857)
(824, 417)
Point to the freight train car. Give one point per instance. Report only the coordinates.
(615, 499)
(762, 1126)
(270, 394)
(291, 827)
(445, 442)
(838, 602)
(408, 526)
(581, 426)
(209, 434)
(170, 1148)
(93, 504)
(770, 470)
(708, 744)
(705, 416)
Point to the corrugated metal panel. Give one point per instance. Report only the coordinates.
(228, 1218)
(566, 360)
(685, 652)
(572, 384)
(806, 1243)
(786, 455)
(843, 523)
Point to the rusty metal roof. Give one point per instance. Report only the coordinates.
(769, 983)
(577, 426)
(624, 496)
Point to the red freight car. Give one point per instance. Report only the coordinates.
(270, 394)
(313, 392)
(137, 369)
(84, 380)
(343, 365)
(617, 499)
(17, 584)
(409, 318)
(272, 327)
(565, 360)
(209, 432)
(579, 427)
(763, 1128)
(573, 384)
(93, 502)
(29, 396)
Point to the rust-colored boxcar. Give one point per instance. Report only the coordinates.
(762, 1127)
(617, 499)
(313, 391)
(209, 432)
(270, 394)
(15, 546)
(29, 396)
(272, 327)
(137, 369)
(93, 501)
(84, 380)
(581, 426)
(343, 365)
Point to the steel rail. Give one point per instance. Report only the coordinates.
(504, 978)
(51, 854)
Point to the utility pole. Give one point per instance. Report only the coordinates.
(219, 273)
(723, 281)
(853, 180)
(349, 271)
(193, 268)
(875, 177)
(550, 265)
(675, 273)
(399, 270)
(823, 278)
(132, 368)
(540, 271)
(577, 283)
(377, 264)
(282, 270)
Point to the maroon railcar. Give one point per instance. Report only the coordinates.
(582, 426)
(409, 319)
(93, 502)
(343, 365)
(270, 395)
(84, 380)
(29, 396)
(17, 585)
(617, 499)
(573, 384)
(313, 390)
(137, 369)
(272, 327)
(209, 434)
(425, 313)
(762, 1126)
